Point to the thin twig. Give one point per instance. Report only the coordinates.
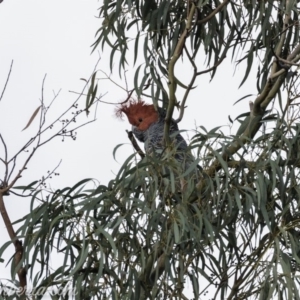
(7, 79)
(5, 159)
(12, 168)
(125, 79)
(135, 144)
(40, 132)
(214, 12)
(213, 67)
(283, 31)
(108, 78)
(190, 86)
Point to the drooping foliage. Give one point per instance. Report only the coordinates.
(234, 234)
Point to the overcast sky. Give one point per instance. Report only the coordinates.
(54, 38)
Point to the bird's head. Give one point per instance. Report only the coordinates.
(140, 114)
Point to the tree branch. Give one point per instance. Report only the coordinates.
(135, 144)
(259, 107)
(182, 105)
(17, 243)
(172, 80)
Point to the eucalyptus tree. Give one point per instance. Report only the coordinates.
(234, 233)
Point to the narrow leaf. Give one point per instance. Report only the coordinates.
(32, 117)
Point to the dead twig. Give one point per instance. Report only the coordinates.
(7, 79)
(135, 144)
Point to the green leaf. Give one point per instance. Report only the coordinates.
(115, 150)
(249, 66)
(249, 95)
(176, 232)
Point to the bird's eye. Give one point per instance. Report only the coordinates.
(140, 120)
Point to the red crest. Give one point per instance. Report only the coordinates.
(139, 113)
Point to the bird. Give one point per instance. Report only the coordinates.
(148, 128)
